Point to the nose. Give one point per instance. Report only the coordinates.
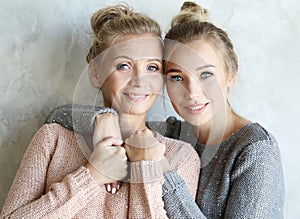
(193, 89)
(138, 76)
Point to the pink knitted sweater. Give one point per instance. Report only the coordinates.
(52, 181)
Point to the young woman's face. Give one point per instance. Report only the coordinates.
(131, 71)
(197, 83)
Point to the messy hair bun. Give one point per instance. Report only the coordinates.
(114, 21)
(190, 11)
(106, 16)
(192, 23)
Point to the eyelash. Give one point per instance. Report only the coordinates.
(121, 67)
(203, 75)
(175, 78)
(125, 67)
(153, 66)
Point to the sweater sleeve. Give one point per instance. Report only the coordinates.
(146, 181)
(178, 201)
(257, 186)
(180, 187)
(27, 197)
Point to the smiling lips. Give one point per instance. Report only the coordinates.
(196, 108)
(136, 97)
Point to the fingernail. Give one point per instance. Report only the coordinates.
(108, 188)
(118, 187)
(119, 141)
(113, 191)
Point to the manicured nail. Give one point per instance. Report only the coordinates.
(113, 191)
(108, 188)
(118, 187)
(119, 141)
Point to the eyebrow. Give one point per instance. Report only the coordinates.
(123, 57)
(197, 69)
(205, 66)
(130, 58)
(155, 60)
(173, 70)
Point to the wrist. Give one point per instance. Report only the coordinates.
(100, 180)
(145, 171)
(106, 125)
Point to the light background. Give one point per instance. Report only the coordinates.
(44, 43)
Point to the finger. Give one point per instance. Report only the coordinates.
(119, 184)
(112, 141)
(109, 141)
(113, 187)
(108, 187)
(121, 153)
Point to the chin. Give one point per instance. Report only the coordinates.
(136, 109)
(195, 120)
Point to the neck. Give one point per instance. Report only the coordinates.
(130, 124)
(220, 127)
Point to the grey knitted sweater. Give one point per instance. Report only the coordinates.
(240, 178)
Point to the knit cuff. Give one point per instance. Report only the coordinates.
(84, 117)
(172, 181)
(84, 182)
(146, 171)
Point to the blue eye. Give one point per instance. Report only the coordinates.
(176, 78)
(205, 75)
(152, 68)
(123, 67)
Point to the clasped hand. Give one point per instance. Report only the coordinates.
(108, 161)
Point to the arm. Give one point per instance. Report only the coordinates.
(183, 159)
(146, 178)
(177, 198)
(257, 183)
(179, 188)
(27, 197)
(79, 118)
(146, 190)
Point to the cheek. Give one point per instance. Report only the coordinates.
(111, 88)
(175, 92)
(215, 93)
(215, 89)
(155, 82)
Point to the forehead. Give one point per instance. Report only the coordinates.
(192, 55)
(145, 47)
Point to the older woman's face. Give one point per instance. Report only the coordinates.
(130, 73)
(196, 82)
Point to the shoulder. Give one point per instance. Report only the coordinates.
(254, 137)
(54, 130)
(50, 135)
(257, 144)
(256, 133)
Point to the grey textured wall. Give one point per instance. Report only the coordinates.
(42, 56)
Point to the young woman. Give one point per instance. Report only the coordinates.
(60, 178)
(241, 171)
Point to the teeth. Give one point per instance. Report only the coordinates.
(197, 107)
(136, 96)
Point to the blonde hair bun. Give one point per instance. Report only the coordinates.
(112, 22)
(101, 17)
(190, 11)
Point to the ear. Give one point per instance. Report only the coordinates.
(231, 80)
(94, 75)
